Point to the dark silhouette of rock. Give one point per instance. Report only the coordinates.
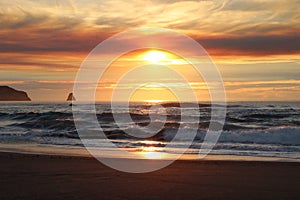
(10, 94)
(71, 97)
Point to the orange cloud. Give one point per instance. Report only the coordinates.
(44, 42)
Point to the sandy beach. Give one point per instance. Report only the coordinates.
(26, 176)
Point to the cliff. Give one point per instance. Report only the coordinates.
(10, 94)
(71, 97)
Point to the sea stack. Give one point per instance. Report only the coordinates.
(10, 94)
(71, 97)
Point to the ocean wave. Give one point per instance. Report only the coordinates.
(244, 123)
(279, 135)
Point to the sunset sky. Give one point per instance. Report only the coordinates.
(254, 43)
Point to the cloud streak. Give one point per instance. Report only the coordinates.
(47, 40)
(243, 27)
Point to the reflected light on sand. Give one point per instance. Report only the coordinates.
(151, 153)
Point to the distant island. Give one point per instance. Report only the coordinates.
(10, 94)
(71, 97)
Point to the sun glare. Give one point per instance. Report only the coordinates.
(154, 101)
(151, 153)
(155, 56)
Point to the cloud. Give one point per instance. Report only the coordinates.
(258, 45)
(119, 23)
(243, 27)
(24, 19)
(48, 39)
(260, 71)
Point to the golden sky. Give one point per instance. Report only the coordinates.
(255, 43)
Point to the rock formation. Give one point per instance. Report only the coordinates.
(10, 94)
(71, 97)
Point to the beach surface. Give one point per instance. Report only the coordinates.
(29, 176)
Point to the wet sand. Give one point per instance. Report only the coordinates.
(30, 177)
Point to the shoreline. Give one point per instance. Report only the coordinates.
(76, 151)
(25, 176)
(89, 157)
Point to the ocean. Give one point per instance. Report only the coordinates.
(252, 129)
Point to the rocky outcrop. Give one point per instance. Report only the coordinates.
(71, 97)
(10, 94)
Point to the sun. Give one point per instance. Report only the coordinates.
(155, 56)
